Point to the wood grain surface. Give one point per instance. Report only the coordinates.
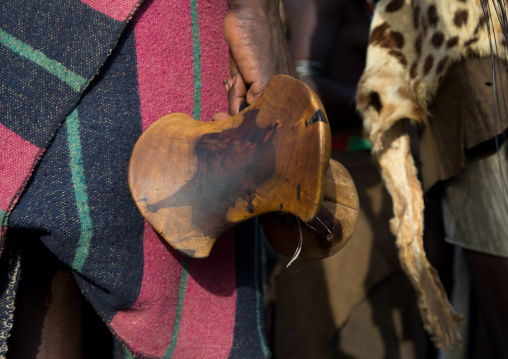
(194, 180)
(329, 231)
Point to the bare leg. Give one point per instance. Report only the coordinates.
(48, 317)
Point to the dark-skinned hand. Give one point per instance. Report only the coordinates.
(257, 49)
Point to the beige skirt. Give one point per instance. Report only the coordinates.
(475, 204)
(461, 121)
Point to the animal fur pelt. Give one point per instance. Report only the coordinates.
(412, 44)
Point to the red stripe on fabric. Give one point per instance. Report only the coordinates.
(164, 50)
(340, 142)
(208, 316)
(16, 158)
(165, 66)
(147, 325)
(117, 9)
(214, 57)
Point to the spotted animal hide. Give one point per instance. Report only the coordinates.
(412, 44)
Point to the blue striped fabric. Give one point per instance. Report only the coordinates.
(77, 200)
(249, 340)
(83, 200)
(49, 62)
(51, 51)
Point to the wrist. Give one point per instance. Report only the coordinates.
(255, 8)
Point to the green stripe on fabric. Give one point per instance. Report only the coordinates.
(196, 51)
(259, 304)
(127, 354)
(2, 214)
(54, 67)
(358, 144)
(179, 308)
(80, 191)
(196, 113)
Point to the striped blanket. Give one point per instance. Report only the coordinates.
(79, 82)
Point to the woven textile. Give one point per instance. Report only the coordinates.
(79, 82)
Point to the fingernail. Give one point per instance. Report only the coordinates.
(226, 85)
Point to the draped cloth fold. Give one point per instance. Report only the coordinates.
(79, 82)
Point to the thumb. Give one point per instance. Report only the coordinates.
(236, 94)
(220, 116)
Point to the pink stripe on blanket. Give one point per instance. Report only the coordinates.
(164, 47)
(16, 158)
(165, 66)
(117, 9)
(208, 316)
(214, 58)
(147, 325)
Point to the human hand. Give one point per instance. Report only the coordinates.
(258, 50)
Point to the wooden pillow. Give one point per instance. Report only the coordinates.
(192, 180)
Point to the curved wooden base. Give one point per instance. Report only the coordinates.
(193, 180)
(329, 231)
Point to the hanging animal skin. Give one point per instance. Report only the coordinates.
(192, 180)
